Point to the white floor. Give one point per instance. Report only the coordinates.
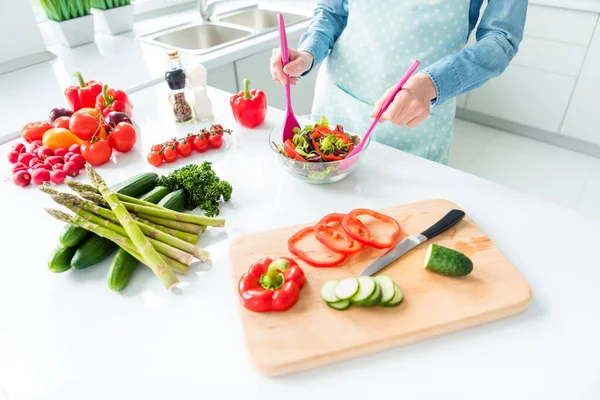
(565, 177)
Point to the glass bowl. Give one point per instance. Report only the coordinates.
(320, 172)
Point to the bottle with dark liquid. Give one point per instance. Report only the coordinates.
(181, 97)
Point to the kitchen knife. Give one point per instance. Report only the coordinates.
(449, 220)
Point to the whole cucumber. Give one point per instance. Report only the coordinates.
(73, 235)
(121, 269)
(93, 251)
(60, 259)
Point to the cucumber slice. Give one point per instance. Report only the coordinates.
(339, 305)
(366, 287)
(445, 261)
(346, 288)
(328, 291)
(387, 287)
(375, 297)
(396, 300)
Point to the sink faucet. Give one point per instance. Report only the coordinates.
(207, 7)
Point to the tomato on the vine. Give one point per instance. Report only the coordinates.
(97, 152)
(200, 144)
(169, 154)
(215, 141)
(184, 147)
(155, 159)
(122, 137)
(216, 129)
(157, 147)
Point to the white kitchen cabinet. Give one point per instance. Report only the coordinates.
(561, 25)
(583, 116)
(223, 78)
(256, 68)
(527, 96)
(548, 55)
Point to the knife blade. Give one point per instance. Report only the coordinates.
(447, 222)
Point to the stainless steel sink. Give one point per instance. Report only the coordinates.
(260, 19)
(222, 30)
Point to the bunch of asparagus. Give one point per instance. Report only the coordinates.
(162, 239)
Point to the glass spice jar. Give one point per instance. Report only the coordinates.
(181, 97)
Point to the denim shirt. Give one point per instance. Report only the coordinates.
(499, 35)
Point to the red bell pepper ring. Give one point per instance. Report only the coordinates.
(113, 100)
(271, 285)
(354, 227)
(84, 95)
(331, 237)
(318, 133)
(249, 106)
(290, 150)
(337, 259)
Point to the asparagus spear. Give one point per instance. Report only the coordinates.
(149, 254)
(182, 226)
(83, 188)
(188, 237)
(76, 204)
(122, 241)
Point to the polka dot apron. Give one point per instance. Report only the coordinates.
(380, 42)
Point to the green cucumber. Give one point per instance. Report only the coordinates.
(396, 299)
(93, 251)
(387, 287)
(375, 298)
(328, 291)
(340, 305)
(72, 236)
(156, 194)
(137, 185)
(445, 261)
(366, 287)
(346, 288)
(121, 269)
(60, 259)
(175, 200)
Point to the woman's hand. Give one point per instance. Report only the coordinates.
(412, 104)
(300, 62)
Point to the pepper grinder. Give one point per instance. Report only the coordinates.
(197, 76)
(181, 96)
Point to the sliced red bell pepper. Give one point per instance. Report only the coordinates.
(337, 259)
(318, 133)
(336, 239)
(113, 100)
(271, 285)
(84, 95)
(290, 150)
(354, 227)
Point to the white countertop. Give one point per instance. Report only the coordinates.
(68, 337)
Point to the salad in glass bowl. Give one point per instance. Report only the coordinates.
(318, 148)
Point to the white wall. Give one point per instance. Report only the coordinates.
(19, 33)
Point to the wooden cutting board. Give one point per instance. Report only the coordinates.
(311, 334)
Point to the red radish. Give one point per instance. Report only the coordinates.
(53, 160)
(22, 178)
(60, 152)
(40, 176)
(78, 159)
(58, 167)
(43, 165)
(68, 156)
(57, 177)
(75, 149)
(13, 157)
(34, 145)
(71, 169)
(25, 158)
(34, 161)
(19, 147)
(44, 152)
(18, 167)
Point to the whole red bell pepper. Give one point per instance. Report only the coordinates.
(84, 95)
(271, 285)
(249, 106)
(113, 100)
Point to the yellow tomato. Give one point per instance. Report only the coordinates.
(60, 138)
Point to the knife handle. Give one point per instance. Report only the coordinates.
(451, 219)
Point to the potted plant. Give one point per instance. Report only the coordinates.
(112, 16)
(70, 21)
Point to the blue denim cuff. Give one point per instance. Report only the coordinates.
(445, 79)
(316, 46)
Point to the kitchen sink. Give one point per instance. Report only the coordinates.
(261, 19)
(202, 37)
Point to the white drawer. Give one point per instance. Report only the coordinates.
(559, 24)
(526, 96)
(559, 57)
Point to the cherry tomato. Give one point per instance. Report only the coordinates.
(157, 147)
(123, 137)
(96, 153)
(85, 125)
(34, 131)
(61, 122)
(216, 129)
(215, 141)
(184, 147)
(155, 159)
(169, 154)
(200, 144)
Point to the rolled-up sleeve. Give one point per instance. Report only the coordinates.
(329, 20)
(499, 35)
